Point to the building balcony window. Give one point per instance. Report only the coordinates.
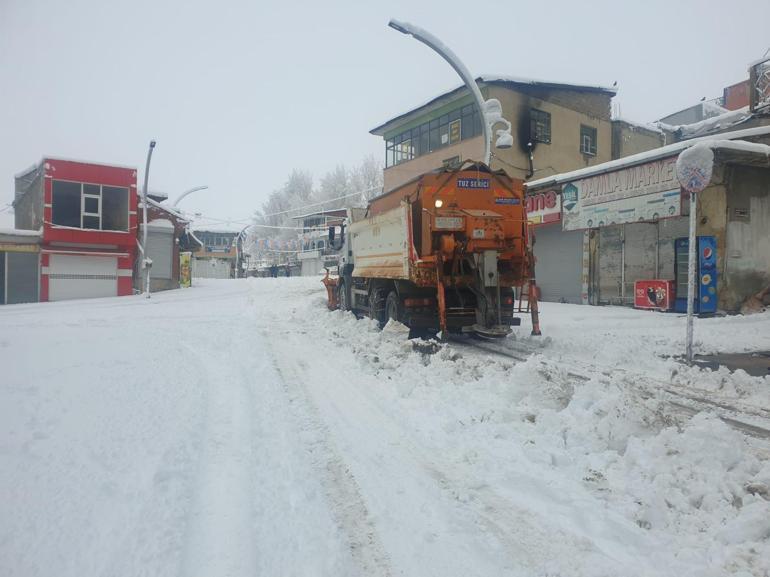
(442, 131)
(89, 206)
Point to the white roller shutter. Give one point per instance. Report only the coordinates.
(160, 247)
(559, 263)
(211, 268)
(79, 277)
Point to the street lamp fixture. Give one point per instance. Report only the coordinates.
(490, 111)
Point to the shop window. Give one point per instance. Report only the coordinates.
(588, 140)
(89, 206)
(66, 203)
(540, 126)
(114, 208)
(92, 207)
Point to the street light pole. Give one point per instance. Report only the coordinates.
(238, 252)
(147, 261)
(490, 111)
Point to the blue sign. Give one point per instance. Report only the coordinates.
(499, 200)
(569, 196)
(472, 183)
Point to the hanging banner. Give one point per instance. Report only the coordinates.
(645, 192)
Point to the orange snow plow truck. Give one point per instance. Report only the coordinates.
(442, 252)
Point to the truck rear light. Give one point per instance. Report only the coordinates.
(508, 301)
(412, 302)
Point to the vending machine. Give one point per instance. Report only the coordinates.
(705, 274)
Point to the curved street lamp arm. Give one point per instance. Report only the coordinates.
(185, 193)
(432, 42)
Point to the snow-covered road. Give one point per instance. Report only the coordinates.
(238, 428)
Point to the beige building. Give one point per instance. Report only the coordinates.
(568, 127)
(632, 138)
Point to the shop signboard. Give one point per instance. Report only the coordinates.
(543, 207)
(185, 269)
(644, 192)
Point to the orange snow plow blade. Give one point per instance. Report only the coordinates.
(331, 291)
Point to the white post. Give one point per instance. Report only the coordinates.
(694, 168)
(692, 255)
(146, 262)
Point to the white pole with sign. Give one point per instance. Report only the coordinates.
(693, 169)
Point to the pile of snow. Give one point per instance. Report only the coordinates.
(263, 434)
(678, 489)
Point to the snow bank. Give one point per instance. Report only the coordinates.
(674, 489)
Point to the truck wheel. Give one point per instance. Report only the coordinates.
(393, 308)
(376, 308)
(342, 296)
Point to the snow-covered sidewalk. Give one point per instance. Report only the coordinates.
(239, 428)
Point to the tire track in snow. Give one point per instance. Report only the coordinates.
(220, 522)
(521, 539)
(347, 505)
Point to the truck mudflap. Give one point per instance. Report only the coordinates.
(331, 291)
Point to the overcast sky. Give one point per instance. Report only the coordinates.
(238, 92)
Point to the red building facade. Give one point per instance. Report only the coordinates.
(88, 216)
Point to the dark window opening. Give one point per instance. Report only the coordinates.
(540, 126)
(66, 203)
(114, 208)
(91, 205)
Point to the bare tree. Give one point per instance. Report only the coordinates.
(367, 177)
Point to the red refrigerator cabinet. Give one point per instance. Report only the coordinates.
(654, 294)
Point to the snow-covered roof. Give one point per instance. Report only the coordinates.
(98, 163)
(724, 120)
(644, 125)
(163, 207)
(662, 152)
(21, 232)
(215, 230)
(492, 79)
(157, 195)
(160, 223)
(489, 78)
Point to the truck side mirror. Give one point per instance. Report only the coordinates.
(331, 235)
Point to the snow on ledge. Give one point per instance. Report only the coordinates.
(21, 232)
(726, 141)
(160, 223)
(720, 122)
